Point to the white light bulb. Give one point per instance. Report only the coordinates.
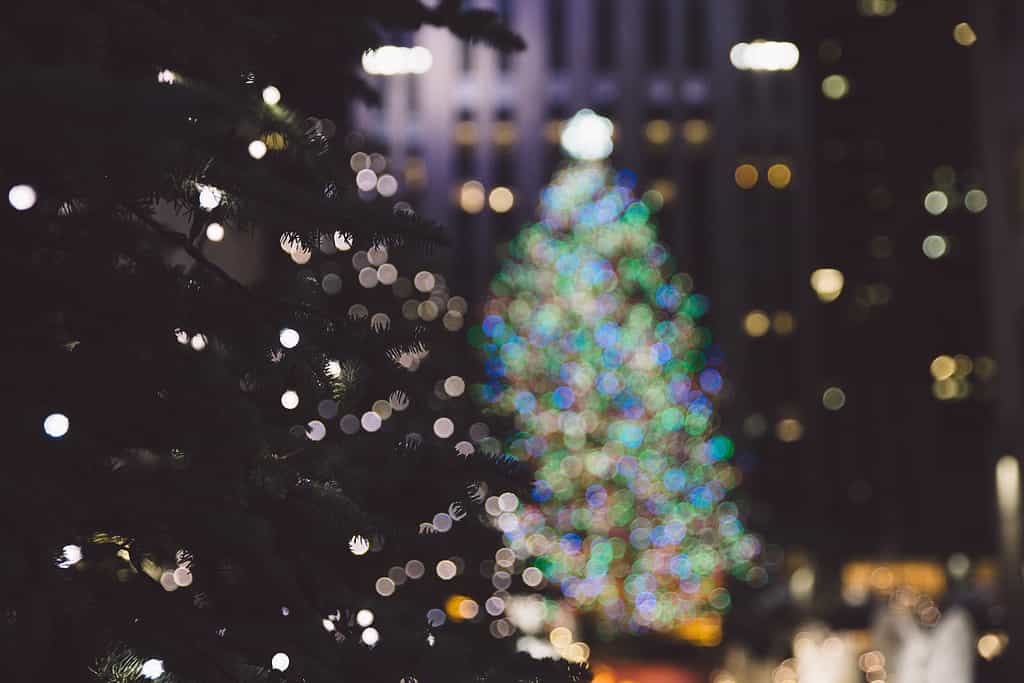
(279, 662)
(215, 232)
(371, 637)
(22, 197)
(289, 400)
(271, 95)
(257, 149)
(364, 617)
(56, 425)
(152, 669)
(165, 76)
(289, 338)
(209, 197)
(198, 342)
(588, 136)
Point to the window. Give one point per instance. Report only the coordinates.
(657, 40)
(604, 36)
(556, 31)
(696, 45)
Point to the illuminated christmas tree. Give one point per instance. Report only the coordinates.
(597, 350)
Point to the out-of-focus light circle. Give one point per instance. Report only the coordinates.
(833, 398)
(779, 176)
(56, 425)
(257, 149)
(279, 662)
(443, 427)
(385, 587)
(368, 277)
(316, 430)
(942, 367)
(72, 556)
(783, 323)
(532, 577)
(392, 60)
(756, 323)
(152, 669)
(387, 274)
(696, 132)
(387, 185)
(471, 196)
(446, 570)
(588, 136)
(789, 430)
(22, 197)
(364, 618)
(342, 241)
(366, 180)
(371, 421)
(414, 569)
(991, 645)
(271, 95)
(331, 283)
(560, 637)
(958, 566)
(746, 176)
(964, 34)
(290, 399)
(289, 338)
(166, 76)
(370, 636)
(976, 200)
(935, 246)
(197, 342)
(765, 55)
(454, 386)
(501, 200)
(827, 283)
(936, 202)
(215, 232)
(835, 86)
(658, 132)
(424, 281)
(494, 605)
(358, 545)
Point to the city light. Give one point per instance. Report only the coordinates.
(936, 202)
(827, 283)
(391, 60)
(765, 55)
(588, 136)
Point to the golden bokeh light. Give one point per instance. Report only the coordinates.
(466, 133)
(471, 197)
(505, 133)
(827, 283)
(833, 398)
(779, 176)
(756, 323)
(789, 430)
(746, 176)
(942, 367)
(658, 132)
(963, 34)
(696, 132)
(783, 323)
(835, 86)
(501, 200)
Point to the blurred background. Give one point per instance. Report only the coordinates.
(844, 181)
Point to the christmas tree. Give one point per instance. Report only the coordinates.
(209, 479)
(598, 351)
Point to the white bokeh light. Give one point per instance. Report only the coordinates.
(22, 197)
(271, 95)
(765, 55)
(56, 425)
(371, 636)
(588, 136)
(210, 197)
(290, 399)
(279, 662)
(289, 338)
(358, 545)
(215, 232)
(72, 555)
(257, 149)
(152, 669)
(364, 617)
(392, 60)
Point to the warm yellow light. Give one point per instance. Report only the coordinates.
(667, 188)
(466, 133)
(783, 323)
(696, 132)
(746, 176)
(964, 34)
(942, 367)
(827, 283)
(658, 131)
(415, 173)
(471, 197)
(835, 87)
(789, 430)
(505, 133)
(877, 8)
(779, 176)
(756, 323)
(501, 200)
(935, 246)
(560, 637)
(704, 631)
(991, 645)
(936, 202)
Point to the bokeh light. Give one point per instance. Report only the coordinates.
(746, 176)
(471, 196)
(835, 86)
(827, 283)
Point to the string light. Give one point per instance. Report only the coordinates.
(364, 617)
(257, 149)
(289, 338)
(280, 662)
(152, 669)
(290, 399)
